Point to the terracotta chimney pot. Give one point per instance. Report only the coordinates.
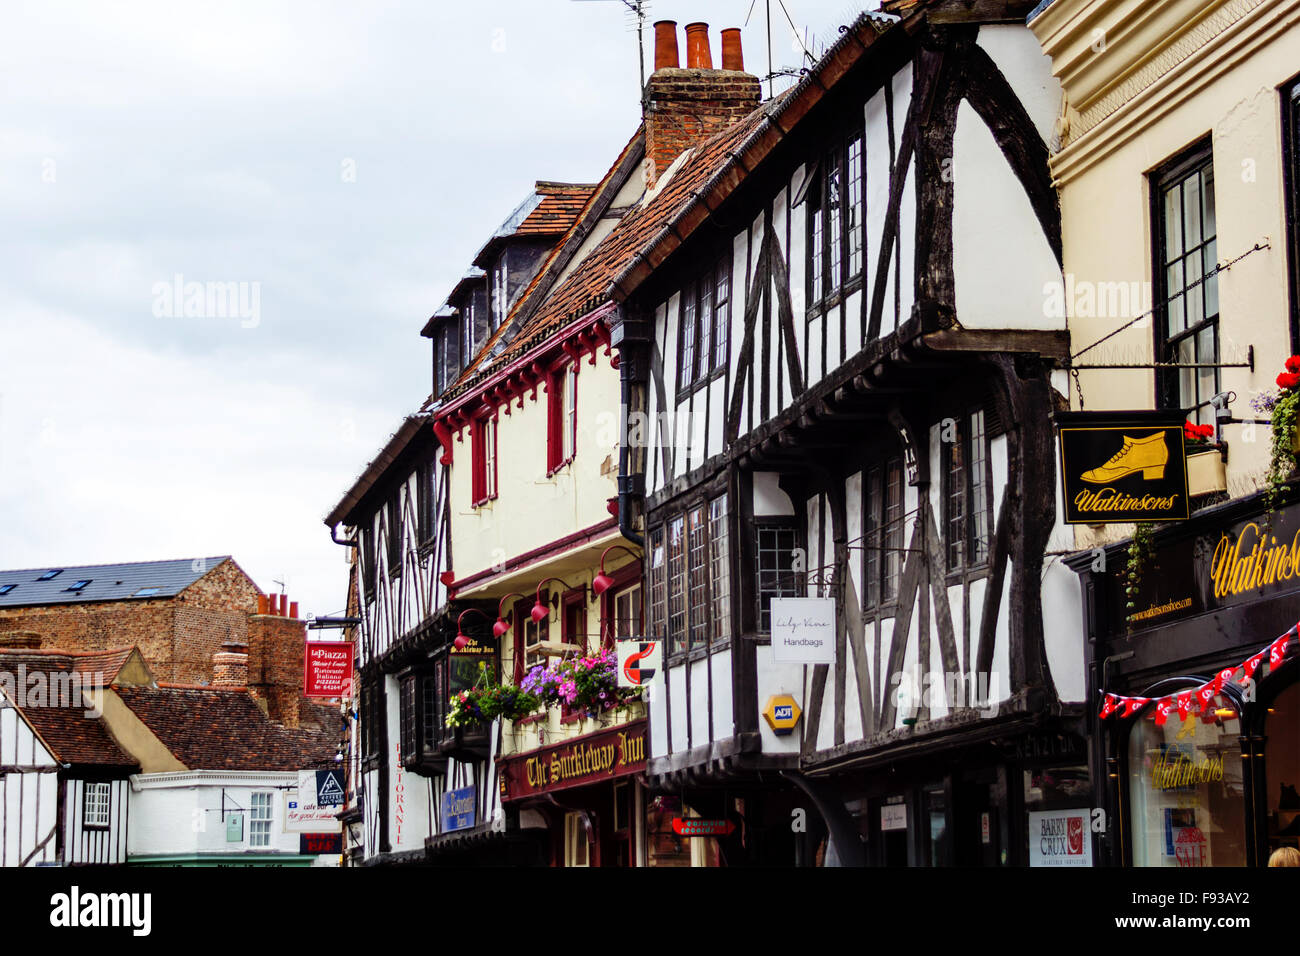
(698, 55)
(666, 45)
(733, 57)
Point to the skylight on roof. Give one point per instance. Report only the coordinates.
(6, 588)
(79, 586)
(147, 592)
(50, 574)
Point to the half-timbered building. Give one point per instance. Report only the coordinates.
(399, 517)
(847, 376)
(64, 790)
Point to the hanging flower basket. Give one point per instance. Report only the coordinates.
(1206, 472)
(1282, 408)
(587, 685)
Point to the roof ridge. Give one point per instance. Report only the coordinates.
(112, 564)
(63, 653)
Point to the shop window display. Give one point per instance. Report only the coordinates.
(1186, 790)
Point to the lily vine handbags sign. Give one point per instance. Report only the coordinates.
(1121, 467)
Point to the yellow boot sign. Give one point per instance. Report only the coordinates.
(1121, 467)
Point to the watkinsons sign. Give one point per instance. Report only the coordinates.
(574, 763)
(1122, 467)
(1229, 564)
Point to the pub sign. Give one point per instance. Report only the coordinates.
(1123, 467)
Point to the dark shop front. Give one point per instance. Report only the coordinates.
(1193, 664)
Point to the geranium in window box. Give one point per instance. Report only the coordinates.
(1282, 408)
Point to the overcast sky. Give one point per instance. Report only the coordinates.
(341, 163)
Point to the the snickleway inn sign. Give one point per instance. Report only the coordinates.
(1122, 467)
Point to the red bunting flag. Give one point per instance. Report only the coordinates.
(1277, 650)
(1162, 710)
(1133, 704)
(1207, 693)
(1184, 704)
(1109, 706)
(1252, 665)
(1225, 676)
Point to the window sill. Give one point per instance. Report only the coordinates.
(556, 469)
(530, 719)
(95, 826)
(483, 502)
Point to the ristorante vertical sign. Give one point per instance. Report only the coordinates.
(1122, 467)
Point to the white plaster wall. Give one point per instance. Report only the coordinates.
(1001, 258)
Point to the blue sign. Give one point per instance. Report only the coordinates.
(458, 810)
(784, 712)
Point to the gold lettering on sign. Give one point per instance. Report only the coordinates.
(1252, 561)
(1108, 499)
(1183, 771)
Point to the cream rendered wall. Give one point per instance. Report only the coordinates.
(1169, 76)
(532, 510)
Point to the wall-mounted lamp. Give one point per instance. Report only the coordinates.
(540, 609)
(461, 642)
(602, 581)
(500, 628)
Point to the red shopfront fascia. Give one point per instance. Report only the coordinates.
(594, 758)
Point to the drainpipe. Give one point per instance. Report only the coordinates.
(629, 486)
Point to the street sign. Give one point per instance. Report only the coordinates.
(327, 669)
(459, 809)
(702, 828)
(803, 630)
(639, 660)
(317, 844)
(782, 714)
(1122, 467)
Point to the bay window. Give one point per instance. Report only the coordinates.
(688, 578)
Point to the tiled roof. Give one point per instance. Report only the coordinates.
(68, 731)
(209, 728)
(554, 262)
(108, 582)
(590, 284)
(559, 209)
(101, 665)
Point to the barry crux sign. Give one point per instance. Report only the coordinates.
(638, 661)
(1121, 467)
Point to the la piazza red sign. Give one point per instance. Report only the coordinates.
(575, 763)
(328, 669)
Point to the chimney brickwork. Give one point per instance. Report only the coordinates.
(686, 106)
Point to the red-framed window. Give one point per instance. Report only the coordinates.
(573, 630)
(484, 480)
(561, 416)
(528, 637)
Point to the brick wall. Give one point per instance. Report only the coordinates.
(686, 106)
(275, 662)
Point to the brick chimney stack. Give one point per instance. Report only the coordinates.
(230, 665)
(686, 106)
(276, 644)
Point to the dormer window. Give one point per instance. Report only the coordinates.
(500, 300)
(467, 331)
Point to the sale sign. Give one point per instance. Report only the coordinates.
(328, 669)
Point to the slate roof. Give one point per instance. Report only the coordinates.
(590, 284)
(209, 728)
(108, 582)
(70, 734)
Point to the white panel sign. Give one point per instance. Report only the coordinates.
(1059, 838)
(893, 816)
(803, 630)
